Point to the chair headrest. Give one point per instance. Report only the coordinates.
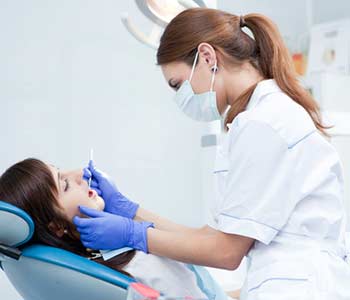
(16, 226)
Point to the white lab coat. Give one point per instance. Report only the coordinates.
(280, 182)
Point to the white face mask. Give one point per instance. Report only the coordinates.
(200, 107)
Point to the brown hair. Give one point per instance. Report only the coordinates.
(223, 31)
(30, 186)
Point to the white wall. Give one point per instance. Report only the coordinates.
(324, 11)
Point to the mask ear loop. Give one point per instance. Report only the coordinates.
(214, 69)
(194, 65)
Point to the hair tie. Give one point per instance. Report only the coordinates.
(242, 22)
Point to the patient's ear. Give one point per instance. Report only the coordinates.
(56, 229)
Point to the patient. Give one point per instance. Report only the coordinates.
(51, 197)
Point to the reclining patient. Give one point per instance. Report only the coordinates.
(51, 197)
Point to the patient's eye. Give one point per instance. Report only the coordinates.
(67, 185)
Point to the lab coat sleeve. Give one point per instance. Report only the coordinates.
(258, 197)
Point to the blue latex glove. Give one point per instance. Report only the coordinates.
(105, 231)
(115, 202)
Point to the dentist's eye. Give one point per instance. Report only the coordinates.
(67, 185)
(174, 85)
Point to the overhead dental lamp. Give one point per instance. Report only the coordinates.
(160, 12)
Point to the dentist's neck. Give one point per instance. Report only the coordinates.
(240, 79)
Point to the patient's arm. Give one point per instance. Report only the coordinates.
(160, 222)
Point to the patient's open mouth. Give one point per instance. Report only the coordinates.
(92, 194)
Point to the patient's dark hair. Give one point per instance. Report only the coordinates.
(30, 186)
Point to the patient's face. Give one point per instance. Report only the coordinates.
(74, 191)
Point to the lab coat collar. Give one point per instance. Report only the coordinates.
(263, 88)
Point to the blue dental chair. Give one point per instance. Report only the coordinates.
(41, 272)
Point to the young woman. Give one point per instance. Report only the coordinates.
(279, 181)
(51, 197)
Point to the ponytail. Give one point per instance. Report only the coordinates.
(275, 62)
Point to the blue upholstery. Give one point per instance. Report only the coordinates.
(75, 262)
(4, 206)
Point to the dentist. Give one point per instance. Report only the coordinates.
(279, 182)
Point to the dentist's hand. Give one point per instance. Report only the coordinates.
(107, 231)
(115, 202)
